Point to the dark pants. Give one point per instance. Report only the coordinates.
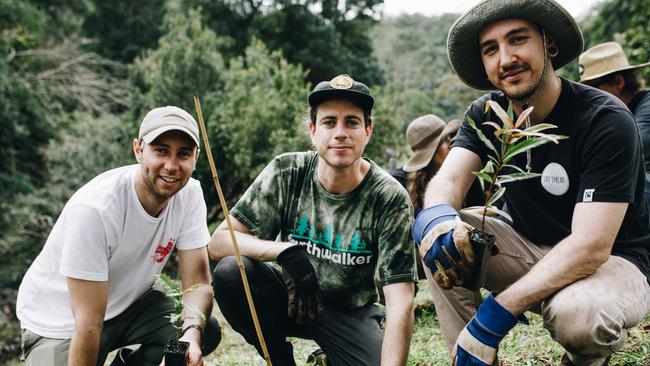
(145, 322)
(348, 337)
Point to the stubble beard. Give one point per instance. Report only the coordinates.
(526, 94)
(150, 185)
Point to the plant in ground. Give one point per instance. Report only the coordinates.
(513, 140)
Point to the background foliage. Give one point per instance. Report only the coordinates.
(77, 76)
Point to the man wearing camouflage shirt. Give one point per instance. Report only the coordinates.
(330, 219)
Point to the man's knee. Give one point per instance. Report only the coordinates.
(226, 276)
(583, 322)
(211, 335)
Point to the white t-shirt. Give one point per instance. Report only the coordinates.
(104, 234)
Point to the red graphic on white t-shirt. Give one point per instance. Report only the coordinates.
(162, 251)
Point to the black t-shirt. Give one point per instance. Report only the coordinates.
(601, 161)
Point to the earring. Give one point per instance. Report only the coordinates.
(553, 51)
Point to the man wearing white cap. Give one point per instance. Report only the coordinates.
(606, 67)
(90, 290)
(578, 249)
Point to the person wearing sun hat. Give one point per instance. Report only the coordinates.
(606, 67)
(91, 289)
(577, 251)
(330, 219)
(424, 134)
(429, 138)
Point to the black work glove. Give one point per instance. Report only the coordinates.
(305, 300)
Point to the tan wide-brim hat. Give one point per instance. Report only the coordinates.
(424, 135)
(604, 59)
(463, 46)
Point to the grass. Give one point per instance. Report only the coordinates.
(524, 346)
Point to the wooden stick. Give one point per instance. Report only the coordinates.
(224, 207)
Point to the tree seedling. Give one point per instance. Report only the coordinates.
(175, 350)
(512, 141)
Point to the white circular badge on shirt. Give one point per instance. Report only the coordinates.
(555, 180)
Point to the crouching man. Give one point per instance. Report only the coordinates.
(90, 291)
(577, 249)
(329, 219)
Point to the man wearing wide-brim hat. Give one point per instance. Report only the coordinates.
(606, 67)
(577, 251)
(331, 219)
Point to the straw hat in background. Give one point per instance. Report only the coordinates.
(424, 135)
(604, 59)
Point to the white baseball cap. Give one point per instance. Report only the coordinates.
(163, 119)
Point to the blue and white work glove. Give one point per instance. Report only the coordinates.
(478, 342)
(443, 243)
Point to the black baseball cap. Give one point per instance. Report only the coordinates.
(342, 87)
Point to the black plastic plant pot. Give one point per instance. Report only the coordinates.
(484, 248)
(175, 353)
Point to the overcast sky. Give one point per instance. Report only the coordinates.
(435, 7)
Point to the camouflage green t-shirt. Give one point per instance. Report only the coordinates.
(348, 237)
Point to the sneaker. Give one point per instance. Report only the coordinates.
(317, 358)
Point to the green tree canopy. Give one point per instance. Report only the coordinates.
(326, 37)
(123, 29)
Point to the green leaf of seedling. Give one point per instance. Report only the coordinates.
(495, 197)
(482, 137)
(520, 133)
(516, 177)
(511, 113)
(503, 115)
(483, 176)
(557, 137)
(489, 167)
(496, 211)
(523, 146)
(491, 209)
(176, 320)
(540, 127)
(513, 167)
(471, 208)
(502, 134)
(171, 287)
(524, 116)
(496, 127)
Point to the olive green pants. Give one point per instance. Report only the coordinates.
(145, 323)
(589, 318)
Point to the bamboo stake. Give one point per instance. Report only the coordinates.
(240, 264)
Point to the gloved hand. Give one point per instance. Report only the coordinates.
(444, 245)
(305, 300)
(478, 342)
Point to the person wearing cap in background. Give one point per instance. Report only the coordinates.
(605, 67)
(430, 139)
(577, 250)
(90, 290)
(329, 218)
